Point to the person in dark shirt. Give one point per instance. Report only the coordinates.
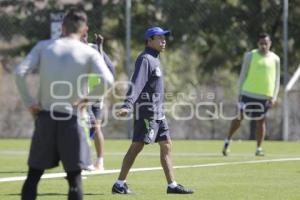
(145, 97)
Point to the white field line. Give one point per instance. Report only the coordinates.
(113, 171)
(178, 154)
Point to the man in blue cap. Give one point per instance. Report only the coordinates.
(145, 97)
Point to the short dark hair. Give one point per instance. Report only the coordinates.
(74, 20)
(146, 40)
(263, 35)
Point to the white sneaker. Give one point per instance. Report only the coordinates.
(259, 152)
(99, 166)
(90, 168)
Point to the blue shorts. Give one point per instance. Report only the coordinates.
(252, 107)
(97, 111)
(95, 114)
(150, 130)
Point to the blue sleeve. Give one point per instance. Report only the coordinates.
(138, 81)
(109, 63)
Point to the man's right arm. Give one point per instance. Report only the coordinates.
(99, 40)
(109, 63)
(244, 70)
(30, 63)
(138, 81)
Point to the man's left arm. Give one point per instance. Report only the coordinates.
(277, 82)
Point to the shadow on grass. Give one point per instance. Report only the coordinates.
(55, 194)
(13, 172)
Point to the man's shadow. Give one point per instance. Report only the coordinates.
(13, 172)
(55, 194)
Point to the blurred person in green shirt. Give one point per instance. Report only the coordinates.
(258, 90)
(96, 110)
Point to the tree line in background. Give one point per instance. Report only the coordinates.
(204, 52)
(217, 31)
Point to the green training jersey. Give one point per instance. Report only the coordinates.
(93, 81)
(262, 74)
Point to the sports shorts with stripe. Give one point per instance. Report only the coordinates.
(95, 114)
(150, 130)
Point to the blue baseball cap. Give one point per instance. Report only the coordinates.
(156, 31)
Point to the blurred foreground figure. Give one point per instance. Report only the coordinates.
(57, 109)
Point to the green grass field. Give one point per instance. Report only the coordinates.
(235, 177)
